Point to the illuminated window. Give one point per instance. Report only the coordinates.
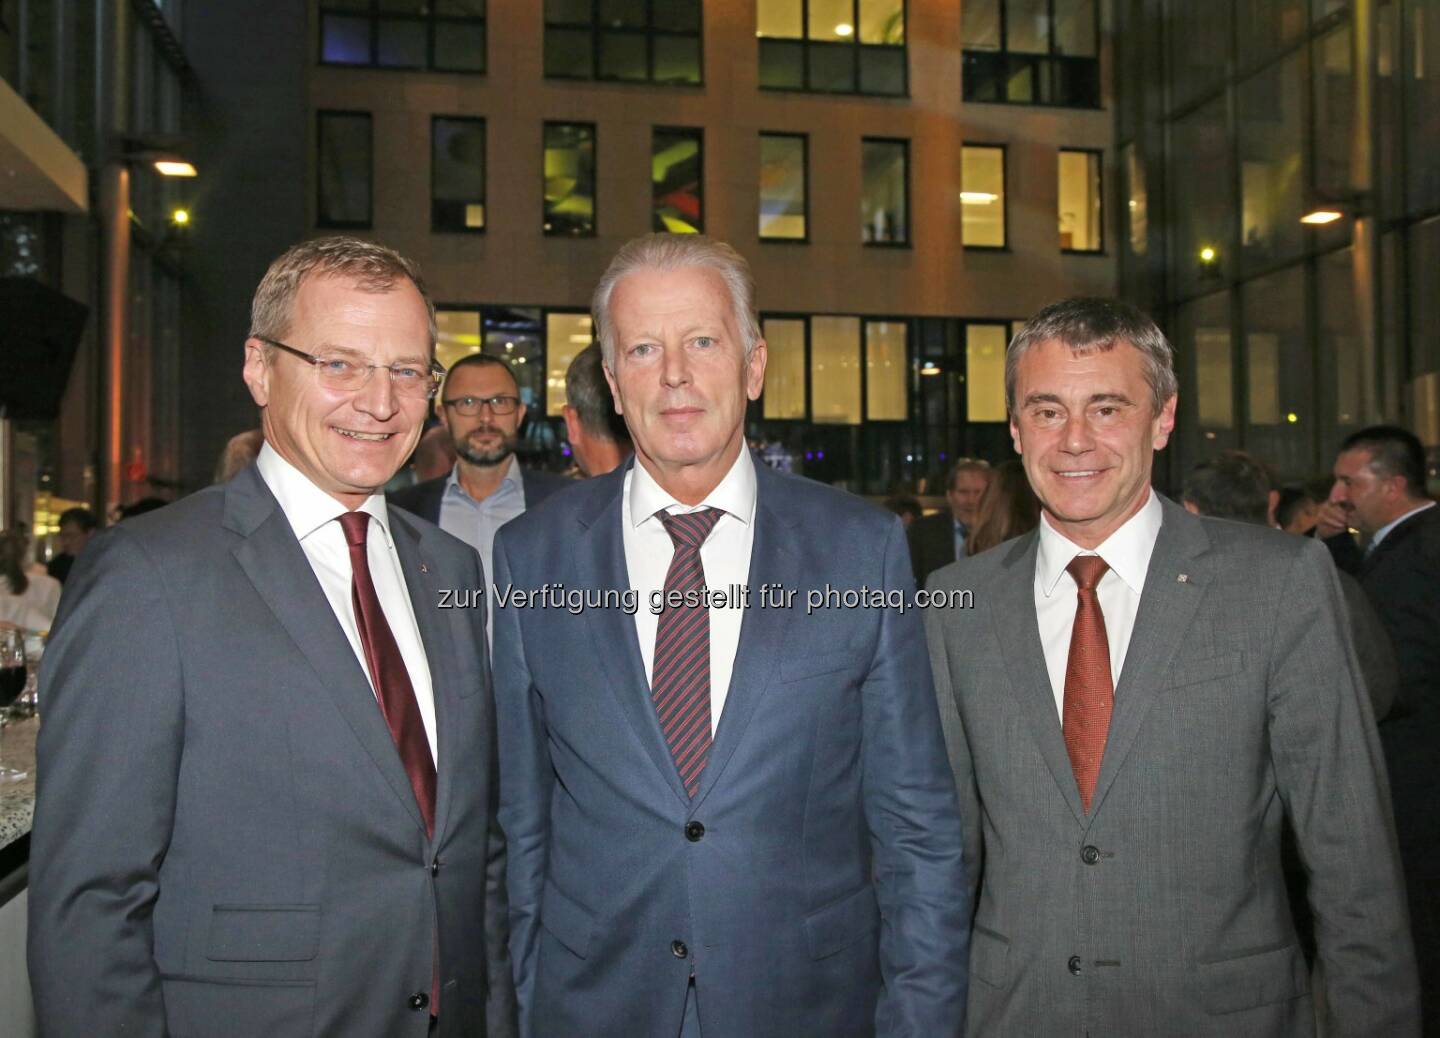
(782, 187)
(835, 370)
(459, 335)
(884, 192)
(1080, 208)
(343, 169)
(784, 368)
(833, 46)
(443, 35)
(457, 174)
(985, 372)
(1043, 52)
(638, 41)
(570, 179)
(887, 371)
(513, 333)
(677, 181)
(565, 336)
(982, 196)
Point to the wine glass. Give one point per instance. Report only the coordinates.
(12, 683)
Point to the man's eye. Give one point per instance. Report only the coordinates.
(641, 349)
(408, 374)
(336, 366)
(704, 342)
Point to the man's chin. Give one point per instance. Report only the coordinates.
(485, 459)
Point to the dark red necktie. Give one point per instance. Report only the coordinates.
(387, 670)
(680, 674)
(1089, 689)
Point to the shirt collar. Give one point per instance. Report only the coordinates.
(510, 481)
(735, 494)
(306, 506)
(1127, 551)
(1381, 533)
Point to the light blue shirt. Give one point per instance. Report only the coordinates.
(959, 538)
(475, 522)
(1384, 531)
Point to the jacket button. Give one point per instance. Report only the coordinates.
(694, 831)
(435, 867)
(419, 1000)
(1074, 966)
(1090, 855)
(678, 949)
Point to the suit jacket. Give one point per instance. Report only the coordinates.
(423, 499)
(815, 884)
(932, 544)
(1163, 910)
(225, 840)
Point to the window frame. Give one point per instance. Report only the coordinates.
(1099, 154)
(907, 241)
(484, 172)
(321, 114)
(1004, 150)
(805, 43)
(433, 22)
(596, 27)
(806, 318)
(595, 161)
(698, 132)
(804, 139)
(1048, 60)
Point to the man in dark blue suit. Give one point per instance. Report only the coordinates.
(734, 812)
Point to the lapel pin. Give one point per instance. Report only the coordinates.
(426, 569)
(1183, 578)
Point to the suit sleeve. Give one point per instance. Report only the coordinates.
(108, 754)
(915, 828)
(526, 779)
(1331, 774)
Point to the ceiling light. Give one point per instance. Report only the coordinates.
(1321, 216)
(1208, 254)
(174, 168)
(844, 29)
(180, 217)
(978, 198)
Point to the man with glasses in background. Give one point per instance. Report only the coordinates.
(266, 800)
(481, 410)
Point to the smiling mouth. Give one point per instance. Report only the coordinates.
(365, 437)
(1080, 474)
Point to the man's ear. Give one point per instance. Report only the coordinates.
(1272, 502)
(256, 371)
(573, 429)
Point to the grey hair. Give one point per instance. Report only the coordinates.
(587, 391)
(667, 252)
(1088, 325)
(373, 267)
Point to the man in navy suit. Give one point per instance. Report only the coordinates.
(734, 813)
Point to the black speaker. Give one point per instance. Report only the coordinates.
(39, 330)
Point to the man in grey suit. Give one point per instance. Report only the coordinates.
(1136, 700)
(734, 815)
(266, 776)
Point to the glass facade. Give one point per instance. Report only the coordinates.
(637, 41)
(441, 35)
(677, 180)
(783, 192)
(1081, 198)
(884, 192)
(982, 196)
(833, 46)
(1041, 52)
(457, 174)
(569, 180)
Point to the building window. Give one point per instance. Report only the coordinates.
(884, 192)
(1039, 52)
(887, 371)
(566, 334)
(343, 165)
(637, 41)
(570, 180)
(833, 46)
(1081, 212)
(677, 188)
(444, 35)
(457, 174)
(782, 187)
(835, 370)
(985, 372)
(784, 398)
(982, 196)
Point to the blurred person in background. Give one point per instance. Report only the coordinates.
(1297, 508)
(77, 526)
(937, 540)
(596, 431)
(1008, 508)
(906, 507)
(240, 451)
(28, 600)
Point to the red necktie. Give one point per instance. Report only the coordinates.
(1089, 689)
(680, 674)
(387, 670)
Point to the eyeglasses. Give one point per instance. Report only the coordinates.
(349, 376)
(470, 406)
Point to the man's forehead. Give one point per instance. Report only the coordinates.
(480, 378)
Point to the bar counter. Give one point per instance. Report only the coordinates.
(17, 808)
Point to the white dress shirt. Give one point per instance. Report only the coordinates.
(315, 517)
(36, 604)
(725, 555)
(1384, 531)
(1127, 551)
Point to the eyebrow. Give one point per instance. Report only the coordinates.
(1096, 398)
(332, 349)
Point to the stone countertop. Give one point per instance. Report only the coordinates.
(17, 797)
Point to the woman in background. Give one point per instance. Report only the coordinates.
(28, 600)
(1008, 508)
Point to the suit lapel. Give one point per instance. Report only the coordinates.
(1167, 609)
(1018, 633)
(277, 566)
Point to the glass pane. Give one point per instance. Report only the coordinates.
(1261, 29)
(1075, 28)
(1279, 374)
(882, 71)
(568, 53)
(565, 336)
(677, 59)
(1334, 115)
(882, 21)
(569, 179)
(344, 41)
(832, 67)
(1424, 300)
(574, 12)
(832, 20)
(465, 8)
(1272, 170)
(1202, 345)
(516, 334)
(981, 24)
(617, 14)
(985, 372)
(782, 187)
(680, 15)
(622, 56)
(983, 76)
(887, 371)
(779, 18)
(1201, 207)
(401, 44)
(883, 217)
(1023, 84)
(1347, 353)
(1389, 119)
(460, 46)
(1027, 26)
(784, 368)
(413, 7)
(457, 157)
(1199, 39)
(835, 370)
(1422, 104)
(459, 335)
(982, 196)
(782, 65)
(675, 179)
(344, 169)
(1081, 223)
(1137, 204)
